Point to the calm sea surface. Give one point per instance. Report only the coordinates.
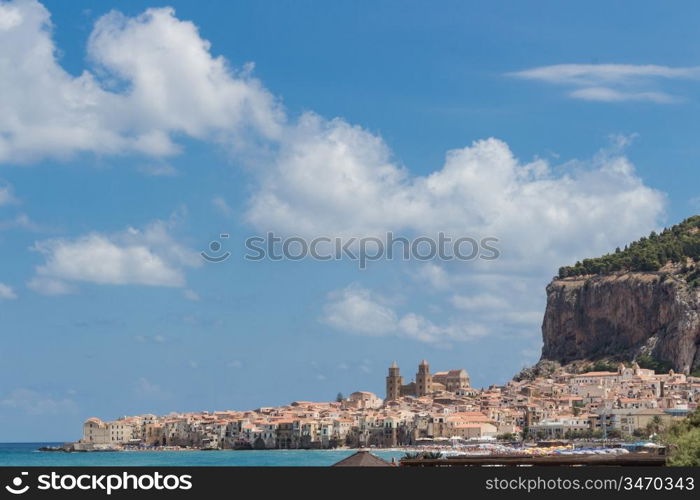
(27, 454)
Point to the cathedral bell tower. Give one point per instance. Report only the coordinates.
(393, 383)
(424, 380)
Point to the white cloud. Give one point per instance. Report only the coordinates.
(222, 206)
(605, 94)
(335, 179)
(524, 317)
(611, 82)
(191, 295)
(320, 177)
(34, 403)
(325, 171)
(508, 305)
(154, 77)
(420, 328)
(133, 257)
(22, 221)
(9, 17)
(6, 195)
(360, 311)
(479, 302)
(355, 309)
(590, 74)
(147, 389)
(434, 274)
(6, 292)
(49, 286)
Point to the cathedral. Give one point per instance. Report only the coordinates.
(425, 383)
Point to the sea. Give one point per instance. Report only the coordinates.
(27, 454)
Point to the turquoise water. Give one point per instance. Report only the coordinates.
(27, 454)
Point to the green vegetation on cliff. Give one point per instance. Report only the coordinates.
(651, 363)
(675, 244)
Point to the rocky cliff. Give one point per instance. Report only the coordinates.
(623, 316)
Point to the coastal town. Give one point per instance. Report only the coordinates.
(435, 408)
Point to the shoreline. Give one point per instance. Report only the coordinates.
(271, 450)
(475, 449)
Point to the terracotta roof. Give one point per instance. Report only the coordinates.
(362, 459)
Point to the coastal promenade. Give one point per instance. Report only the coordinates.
(632, 459)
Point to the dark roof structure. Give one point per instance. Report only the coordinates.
(362, 459)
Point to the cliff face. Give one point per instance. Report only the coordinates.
(622, 316)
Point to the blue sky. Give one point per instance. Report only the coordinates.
(128, 143)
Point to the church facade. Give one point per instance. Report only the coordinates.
(425, 383)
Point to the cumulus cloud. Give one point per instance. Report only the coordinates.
(332, 178)
(32, 402)
(132, 257)
(611, 82)
(355, 309)
(153, 77)
(359, 311)
(6, 292)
